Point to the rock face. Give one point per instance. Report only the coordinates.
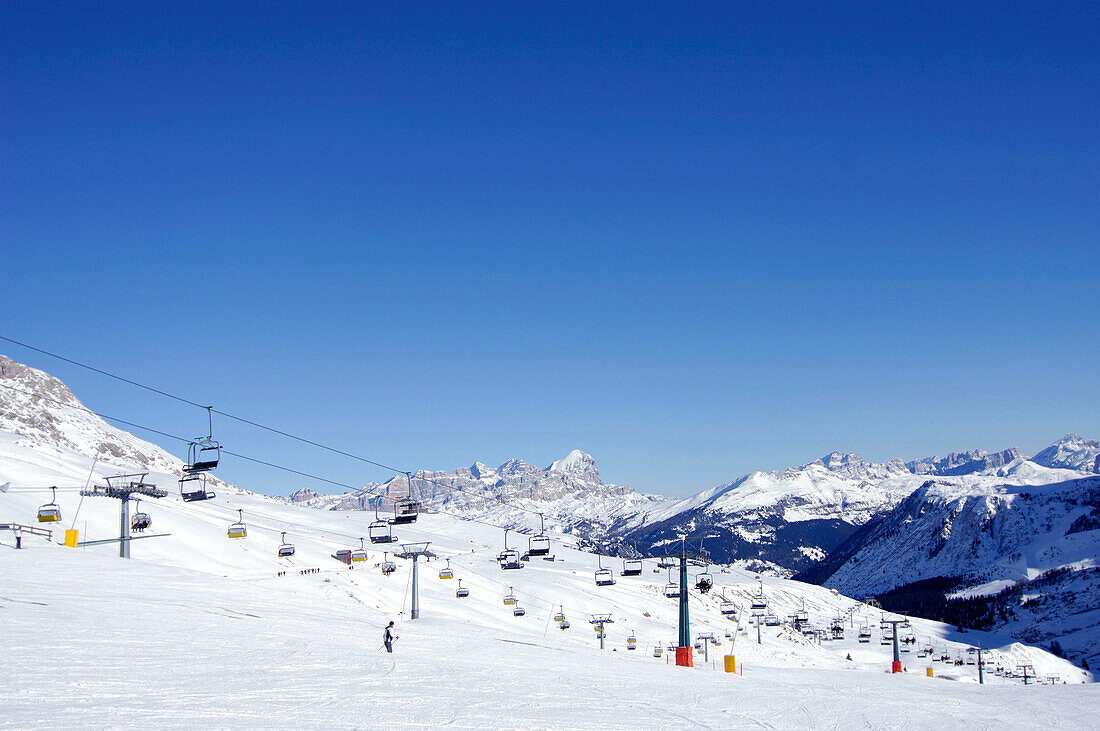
(39, 407)
(569, 493)
(966, 463)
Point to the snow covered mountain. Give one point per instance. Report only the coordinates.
(1071, 452)
(43, 411)
(777, 521)
(1028, 538)
(570, 493)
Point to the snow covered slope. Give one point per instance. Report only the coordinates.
(208, 630)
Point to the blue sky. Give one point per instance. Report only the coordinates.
(694, 243)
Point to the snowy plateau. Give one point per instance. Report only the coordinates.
(202, 630)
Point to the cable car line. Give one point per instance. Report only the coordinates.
(347, 487)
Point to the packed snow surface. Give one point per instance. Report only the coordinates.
(203, 630)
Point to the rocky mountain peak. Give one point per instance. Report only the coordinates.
(38, 406)
(1071, 452)
(577, 462)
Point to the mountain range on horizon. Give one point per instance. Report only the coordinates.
(839, 520)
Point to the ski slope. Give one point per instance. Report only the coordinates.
(200, 629)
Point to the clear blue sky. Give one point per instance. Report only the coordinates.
(693, 242)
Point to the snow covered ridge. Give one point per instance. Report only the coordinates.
(42, 409)
(1071, 452)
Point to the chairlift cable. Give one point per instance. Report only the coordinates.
(243, 420)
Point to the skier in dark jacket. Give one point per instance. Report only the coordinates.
(388, 637)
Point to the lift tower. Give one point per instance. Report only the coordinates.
(895, 623)
(121, 487)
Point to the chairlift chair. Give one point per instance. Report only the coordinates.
(771, 620)
(658, 651)
(387, 566)
(667, 562)
(509, 598)
(51, 511)
(631, 642)
(204, 453)
(380, 531)
(539, 545)
(406, 511)
(604, 577)
(139, 521)
(559, 616)
(461, 592)
(672, 588)
(286, 550)
(564, 625)
(446, 573)
(704, 582)
(509, 557)
(193, 487)
(359, 555)
(727, 608)
(237, 530)
(632, 567)
(519, 612)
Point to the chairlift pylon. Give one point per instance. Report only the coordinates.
(204, 453)
(51, 511)
(237, 530)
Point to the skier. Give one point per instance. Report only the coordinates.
(388, 637)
